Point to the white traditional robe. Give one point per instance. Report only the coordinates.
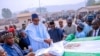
(37, 34)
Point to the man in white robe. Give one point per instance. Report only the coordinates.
(38, 34)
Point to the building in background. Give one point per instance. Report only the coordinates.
(87, 9)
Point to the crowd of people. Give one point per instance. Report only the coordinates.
(36, 35)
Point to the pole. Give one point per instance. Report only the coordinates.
(40, 7)
(85, 2)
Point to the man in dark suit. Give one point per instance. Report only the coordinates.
(24, 41)
(96, 29)
(98, 16)
(55, 33)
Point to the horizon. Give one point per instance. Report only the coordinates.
(14, 5)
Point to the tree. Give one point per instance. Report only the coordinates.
(41, 10)
(6, 13)
(97, 2)
(90, 2)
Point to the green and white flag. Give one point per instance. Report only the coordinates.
(83, 47)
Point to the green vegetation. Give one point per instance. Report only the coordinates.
(92, 2)
(6, 13)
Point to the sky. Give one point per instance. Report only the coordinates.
(19, 5)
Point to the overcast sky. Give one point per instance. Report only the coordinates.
(19, 5)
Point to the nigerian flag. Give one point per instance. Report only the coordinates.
(89, 46)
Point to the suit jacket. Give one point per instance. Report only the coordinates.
(24, 42)
(56, 34)
(91, 33)
(13, 51)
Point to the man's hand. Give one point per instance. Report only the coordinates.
(48, 41)
(30, 54)
(30, 50)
